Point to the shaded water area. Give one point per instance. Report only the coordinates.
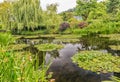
(64, 70)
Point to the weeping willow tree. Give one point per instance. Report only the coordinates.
(27, 14)
(21, 14)
(5, 14)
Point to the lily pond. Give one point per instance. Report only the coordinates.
(59, 52)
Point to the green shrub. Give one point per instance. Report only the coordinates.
(6, 39)
(99, 27)
(48, 47)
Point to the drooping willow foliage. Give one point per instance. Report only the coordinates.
(27, 14)
(23, 14)
(5, 14)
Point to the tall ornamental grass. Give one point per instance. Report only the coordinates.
(19, 66)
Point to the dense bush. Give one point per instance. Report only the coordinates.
(64, 26)
(5, 39)
(73, 22)
(99, 27)
(82, 24)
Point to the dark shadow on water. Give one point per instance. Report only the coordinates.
(64, 70)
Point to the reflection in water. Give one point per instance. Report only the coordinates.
(65, 71)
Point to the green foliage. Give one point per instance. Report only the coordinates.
(16, 46)
(66, 16)
(18, 67)
(26, 13)
(85, 7)
(1, 26)
(73, 22)
(112, 36)
(97, 61)
(113, 6)
(99, 27)
(5, 14)
(34, 32)
(50, 17)
(115, 47)
(5, 39)
(114, 79)
(48, 47)
(95, 14)
(52, 7)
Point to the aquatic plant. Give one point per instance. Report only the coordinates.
(12, 47)
(115, 47)
(97, 61)
(48, 47)
(114, 79)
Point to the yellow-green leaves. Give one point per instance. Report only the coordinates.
(48, 47)
(97, 61)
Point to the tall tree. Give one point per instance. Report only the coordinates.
(5, 14)
(84, 7)
(27, 13)
(52, 7)
(113, 6)
(22, 13)
(51, 18)
(99, 12)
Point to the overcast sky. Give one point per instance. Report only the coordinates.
(63, 4)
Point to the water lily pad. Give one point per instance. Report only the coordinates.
(68, 37)
(48, 47)
(115, 47)
(112, 36)
(97, 61)
(16, 46)
(67, 40)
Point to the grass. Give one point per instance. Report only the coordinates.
(19, 67)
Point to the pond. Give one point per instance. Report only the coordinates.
(62, 67)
